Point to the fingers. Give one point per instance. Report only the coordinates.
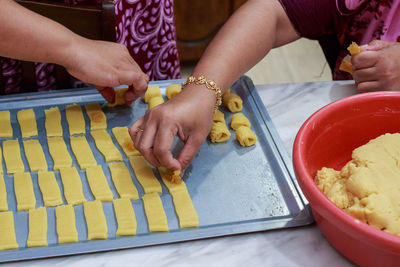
(376, 45)
(189, 150)
(108, 93)
(144, 142)
(162, 147)
(365, 75)
(365, 59)
(369, 86)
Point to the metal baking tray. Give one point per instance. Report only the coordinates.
(234, 189)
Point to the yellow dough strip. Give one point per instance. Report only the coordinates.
(53, 122)
(12, 156)
(5, 122)
(76, 122)
(72, 186)
(59, 152)
(106, 146)
(1, 161)
(155, 214)
(65, 224)
(49, 187)
(125, 141)
(37, 236)
(83, 153)
(95, 220)
(125, 216)
(23, 188)
(98, 184)
(35, 155)
(98, 120)
(123, 181)
(8, 239)
(119, 97)
(145, 176)
(3, 194)
(27, 122)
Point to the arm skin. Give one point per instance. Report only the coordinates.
(28, 36)
(251, 32)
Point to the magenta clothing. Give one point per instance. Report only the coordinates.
(336, 23)
(145, 27)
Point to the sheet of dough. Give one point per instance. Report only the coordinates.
(106, 146)
(48, 185)
(119, 97)
(23, 188)
(37, 236)
(35, 155)
(5, 122)
(53, 122)
(76, 122)
(95, 220)
(125, 141)
(66, 226)
(27, 122)
(125, 216)
(3, 194)
(123, 181)
(72, 186)
(83, 153)
(145, 176)
(8, 239)
(12, 156)
(155, 214)
(98, 184)
(98, 120)
(59, 152)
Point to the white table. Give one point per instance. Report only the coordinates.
(289, 105)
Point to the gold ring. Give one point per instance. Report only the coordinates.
(139, 130)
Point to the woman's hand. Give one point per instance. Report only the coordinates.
(378, 67)
(188, 115)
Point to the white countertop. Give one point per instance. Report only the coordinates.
(289, 105)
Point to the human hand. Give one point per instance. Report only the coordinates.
(105, 65)
(187, 115)
(378, 67)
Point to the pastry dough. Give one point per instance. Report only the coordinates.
(76, 122)
(27, 122)
(172, 90)
(232, 101)
(5, 122)
(3, 194)
(172, 187)
(49, 187)
(239, 119)
(152, 91)
(119, 97)
(23, 188)
(35, 155)
(83, 153)
(66, 225)
(155, 214)
(219, 117)
(53, 122)
(98, 120)
(95, 220)
(155, 101)
(106, 146)
(37, 236)
(219, 132)
(125, 216)
(144, 174)
(12, 156)
(174, 176)
(98, 184)
(72, 186)
(59, 152)
(1, 161)
(8, 239)
(346, 64)
(122, 180)
(125, 141)
(245, 136)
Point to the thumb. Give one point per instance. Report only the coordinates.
(376, 45)
(108, 93)
(189, 151)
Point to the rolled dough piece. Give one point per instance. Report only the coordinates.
(172, 90)
(76, 122)
(37, 236)
(35, 155)
(239, 119)
(232, 102)
(98, 184)
(72, 186)
(98, 120)
(5, 122)
(12, 156)
(145, 176)
(66, 225)
(245, 136)
(125, 141)
(83, 153)
(219, 132)
(125, 216)
(23, 188)
(122, 181)
(59, 152)
(8, 238)
(152, 91)
(219, 117)
(53, 122)
(155, 101)
(106, 146)
(155, 214)
(27, 122)
(3, 194)
(49, 187)
(95, 220)
(119, 97)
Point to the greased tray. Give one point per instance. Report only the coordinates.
(234, 189)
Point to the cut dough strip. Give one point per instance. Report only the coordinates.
(95, 220)
(155, 214)
(12, 156)
(76, 122)
(145, 176)
(53, 122)
(125, 141)
(8, 239)
(119, 97)
(1, 161)
(125, 216)
(37, 236)
(106, 146)
(23, 188)
(35, 155)
(83, 153)
(3, 194)
(59, 152)
(172, 90)
(5, 122)
(152, 91)
(98, 184)
(27, 122)
(98, 120)
(72, 186)
(122, 181)
(49, 187)
(66, 225)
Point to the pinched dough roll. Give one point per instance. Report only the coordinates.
(219, 117)
(233, 102)
(151, 92)
(219, 132)
(172, 90)
(155, 101)
(239, 119)
(119, 97)
(245, 136)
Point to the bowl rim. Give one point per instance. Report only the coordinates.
(312, 192)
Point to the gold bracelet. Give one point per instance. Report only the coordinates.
(211, 85)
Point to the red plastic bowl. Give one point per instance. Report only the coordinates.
(327, 139)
